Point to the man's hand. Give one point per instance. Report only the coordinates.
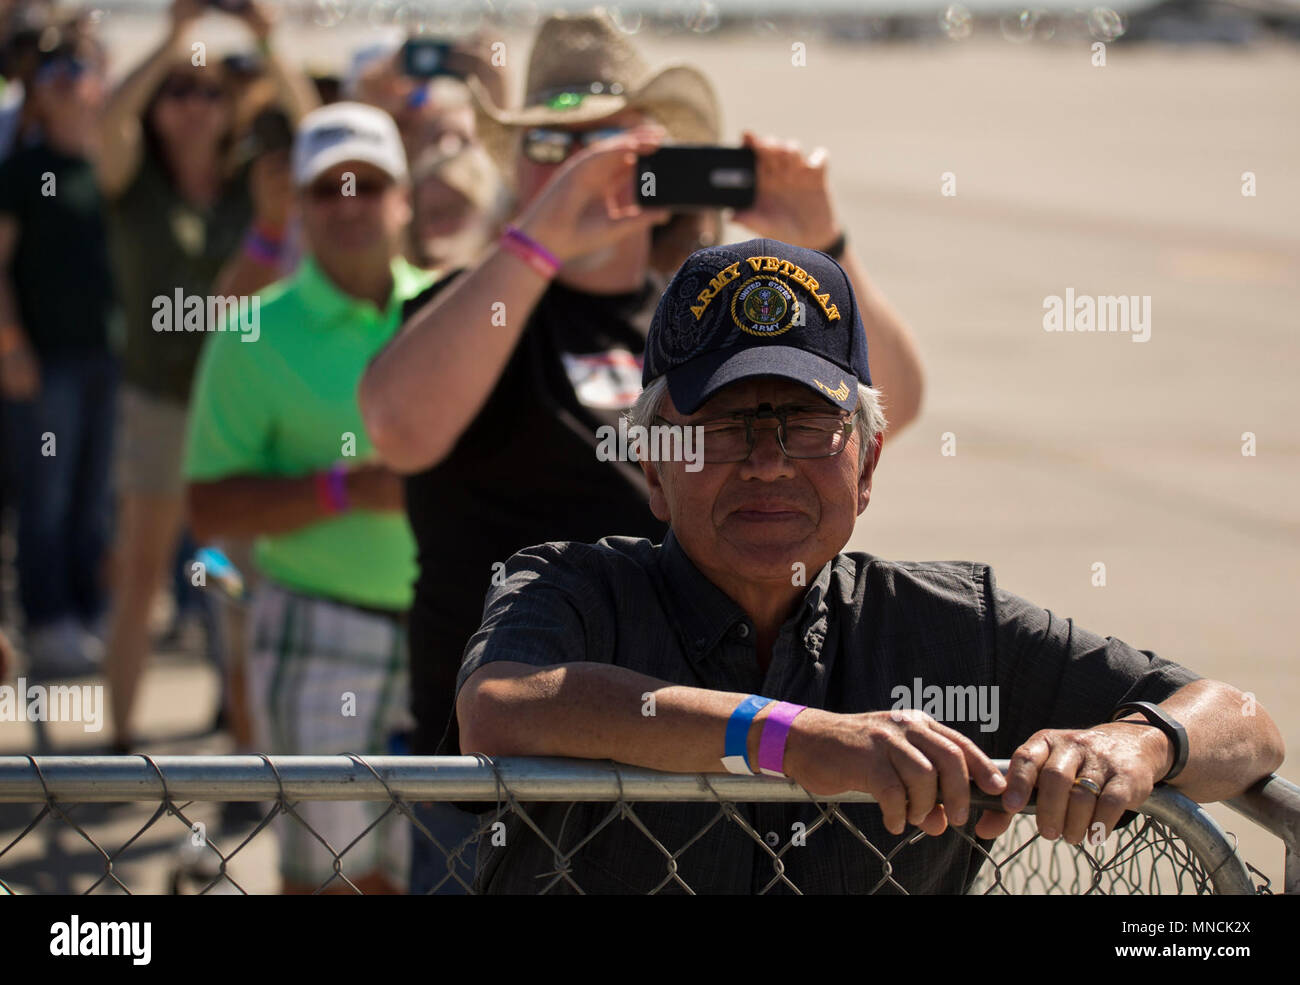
(793, 203)
(904, 758)
(589, 203)
(184, 13)
(259, 17)
(1125, 759)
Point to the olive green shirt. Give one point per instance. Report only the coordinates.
(161, 244)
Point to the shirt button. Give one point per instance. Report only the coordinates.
(742, 631)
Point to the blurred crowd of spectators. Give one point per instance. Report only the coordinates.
(176, 178)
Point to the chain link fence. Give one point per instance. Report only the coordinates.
(1171, 846)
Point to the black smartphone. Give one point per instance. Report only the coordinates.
(424, 58)
(230, 6)
(696, 176)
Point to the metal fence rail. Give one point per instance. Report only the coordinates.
(1173, 846)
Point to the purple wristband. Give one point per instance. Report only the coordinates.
(261, 249)
(337, 487)
(523, 239)
(776, 729)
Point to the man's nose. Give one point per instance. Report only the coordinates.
(767, 460)
(349, 206)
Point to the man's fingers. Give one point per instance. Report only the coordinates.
(919, 776)
(1055, 781)
(1081, 803)
(1023, 772)
(884, 784)
(639, 140)
(992, 824)
(612, 159)
(1117, 795)
(982, 771)
(936, 822)
(954, 782)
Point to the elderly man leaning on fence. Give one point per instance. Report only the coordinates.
(654, 655)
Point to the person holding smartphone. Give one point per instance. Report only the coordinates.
(491, 397)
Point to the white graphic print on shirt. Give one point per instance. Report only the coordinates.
(605, 380)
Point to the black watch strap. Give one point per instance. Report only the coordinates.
(1166, 723)
(836, 250)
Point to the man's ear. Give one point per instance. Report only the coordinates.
(868, 473)
(658, 498)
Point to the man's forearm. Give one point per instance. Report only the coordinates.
(597, 711)
(423, 390)
(1232, 740)
(253, 506)
(244, 275)
(895, 358)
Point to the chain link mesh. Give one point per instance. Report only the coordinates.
(99, 843)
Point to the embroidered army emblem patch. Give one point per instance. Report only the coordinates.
(763, 306)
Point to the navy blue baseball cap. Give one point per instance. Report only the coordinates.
(757, 308)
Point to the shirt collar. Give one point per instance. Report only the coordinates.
(329, 303)
(706, 613)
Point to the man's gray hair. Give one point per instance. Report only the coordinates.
(868, 416)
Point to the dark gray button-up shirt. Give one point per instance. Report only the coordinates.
(865, 629)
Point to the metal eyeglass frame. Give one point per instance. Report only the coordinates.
(780, 415)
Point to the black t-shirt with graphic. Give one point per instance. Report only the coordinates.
(524, 472)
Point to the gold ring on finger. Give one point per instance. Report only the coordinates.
(1090, 785)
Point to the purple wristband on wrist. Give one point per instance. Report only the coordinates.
(528, 245)
(261, 249)
(776, 729)
(337, 487)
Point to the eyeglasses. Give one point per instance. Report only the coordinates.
(802, 433)
(323, 192)
(186, 89)
(548, 145)
(61, 70)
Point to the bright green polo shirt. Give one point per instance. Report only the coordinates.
(285, 404)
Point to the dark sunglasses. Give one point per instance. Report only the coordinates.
(61, 70)
(327, 191)
(185, 89)
(548, 145)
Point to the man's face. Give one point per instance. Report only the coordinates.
(68, 99)
(362, 216)
(754, 520)
(448, 228)
(532, 177)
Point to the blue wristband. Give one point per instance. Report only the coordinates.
(735, 753)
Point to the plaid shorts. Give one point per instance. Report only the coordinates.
(324, 679)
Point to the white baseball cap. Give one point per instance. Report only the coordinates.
(347, 132)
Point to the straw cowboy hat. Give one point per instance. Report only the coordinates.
(583, 69)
